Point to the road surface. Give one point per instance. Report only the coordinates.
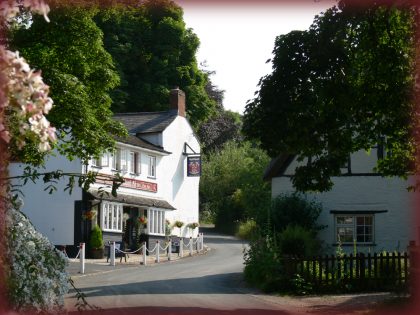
(204, 284)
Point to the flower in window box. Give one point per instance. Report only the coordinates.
(193, 225)
(89, 215)
(143, 220)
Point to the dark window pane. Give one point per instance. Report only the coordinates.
(344, 220)
(368, 220)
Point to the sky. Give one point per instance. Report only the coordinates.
(237, 37)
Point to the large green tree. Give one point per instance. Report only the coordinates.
(232, 187)
(154, 52)
(343, 85)
(69, 50)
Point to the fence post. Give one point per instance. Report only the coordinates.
(157, 251)
(112, 253)
(362, 271)
(201, 241)
(191, 246)
(181, 247)
(144, 254)
(170, 250)
(82, 258)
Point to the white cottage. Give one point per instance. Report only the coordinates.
(363, 208)
(160, 163)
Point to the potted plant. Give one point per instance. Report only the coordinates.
(193, 225)
(179, 225)
(96, 243)
(89, 215)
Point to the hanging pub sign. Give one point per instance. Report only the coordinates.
(193, 166)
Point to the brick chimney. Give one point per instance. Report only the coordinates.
(177, 101)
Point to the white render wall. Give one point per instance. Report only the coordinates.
(180, 190)
(393, 229)
(52, 215)
(144, 165)
(361, 162)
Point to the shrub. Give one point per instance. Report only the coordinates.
(297, 241)
(37, 279)
(294, 209)
(96, 241)
(247, 230)
(263, 267)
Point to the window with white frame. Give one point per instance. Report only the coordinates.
(105, 159)
(96, 162)
(124, 156)
(156, 222)
(134, 162)
(354, 228)
(126, 161)
(116, 164)
(111, 216)
(152, 166)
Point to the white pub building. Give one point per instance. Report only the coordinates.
(160, 163)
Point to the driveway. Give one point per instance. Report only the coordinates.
(204, 284)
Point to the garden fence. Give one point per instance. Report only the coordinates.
(360, 272)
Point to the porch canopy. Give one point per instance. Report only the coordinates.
(132, 200)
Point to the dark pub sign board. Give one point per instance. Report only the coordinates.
(193, 166)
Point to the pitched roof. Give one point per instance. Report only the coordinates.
(278, 166)
(147, 122)
(138, 142)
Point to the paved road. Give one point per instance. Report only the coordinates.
(205, 284)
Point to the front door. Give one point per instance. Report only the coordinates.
(130, 215)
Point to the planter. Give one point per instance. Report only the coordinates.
(97, 253)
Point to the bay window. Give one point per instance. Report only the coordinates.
(111, 216)
(156, 222)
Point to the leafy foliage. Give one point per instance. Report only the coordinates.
(341, 86)
(294, 210)
(69, 51)
(247, 230)
(218, 130)
(154, 52)
(96, 241)
(263, 267)
(232, 186)
(295, 240)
